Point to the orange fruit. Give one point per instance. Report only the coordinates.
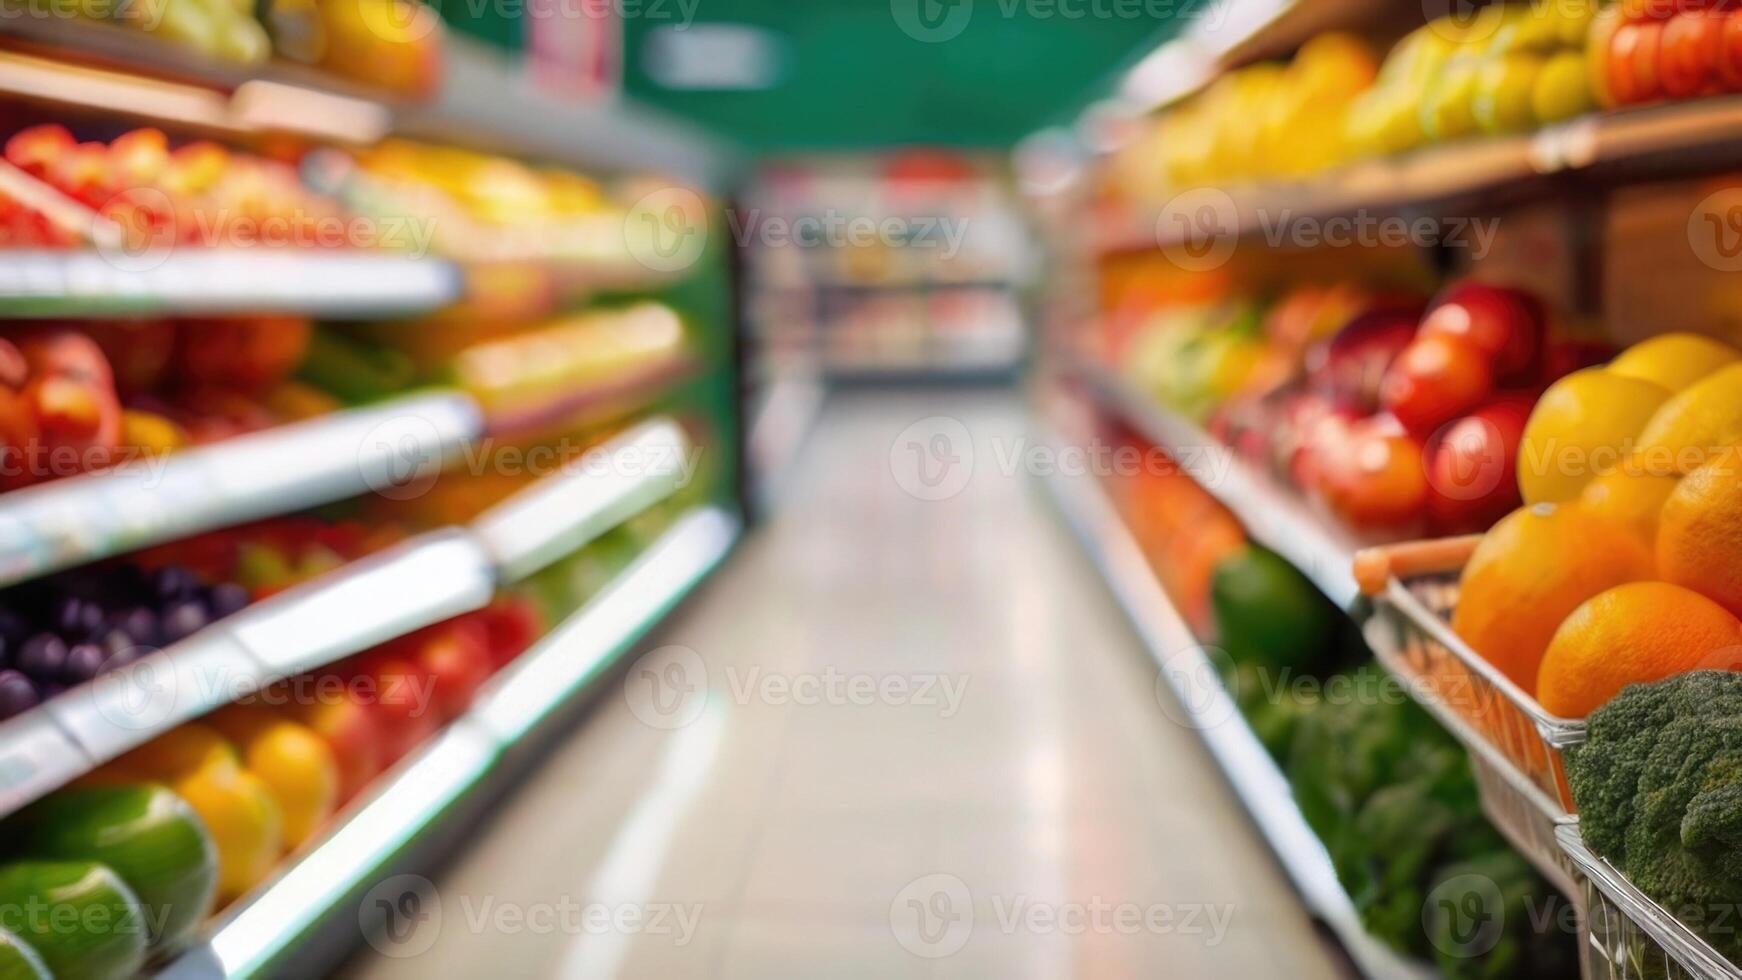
(1632, 496)
(1634, 634)
(1530, 571)
(1699, 536)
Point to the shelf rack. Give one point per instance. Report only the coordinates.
(1205, 705)
(485, 100)
(80, 519)
(421, 581)
(89, 284)
(327, 880)
(1643, 143)
(1272, 515)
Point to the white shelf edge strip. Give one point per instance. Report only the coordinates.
(200, 279)
(608, 486)
(420, 581)
(67, 522)
(1192, 677)
(1273, 518)
(441, 773)
(533, 687)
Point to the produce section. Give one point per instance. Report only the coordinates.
(1513, 477)
(323, 438)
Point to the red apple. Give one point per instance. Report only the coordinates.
(1437, 378)
(1730, 51)
(1690, 49)
(513, 624)
(1507, 325)
(1472, 466)
(456, 657)
(1632, 72)
(1375, 480)
(36, 149)
(350, 730)
(1348, 369)
(402, 707)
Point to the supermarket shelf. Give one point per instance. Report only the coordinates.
(1651, 142)
(626, 390)
(81, 519)
(190, 281)
(330, 876)
(1205, 705)
(1272, 515)
(421, 581)
(486, 101)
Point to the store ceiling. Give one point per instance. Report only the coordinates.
(820, 75)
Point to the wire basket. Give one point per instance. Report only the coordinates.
(1627, 936)
(1416, 588)
(1522, 811)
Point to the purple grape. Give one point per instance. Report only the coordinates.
(17, 694)
(77, 619)
(183, 620)
(226, 598)
(173, 582)
(83, 663)
(121, 658)
(12, 628)
(139, 622)
(43, 657)
(115, 641)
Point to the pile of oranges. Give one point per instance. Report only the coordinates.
(1625, 564)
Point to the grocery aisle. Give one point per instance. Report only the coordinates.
(794, 823)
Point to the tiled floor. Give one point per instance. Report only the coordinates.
(1050, 822)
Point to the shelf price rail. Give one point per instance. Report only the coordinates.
(420, 581)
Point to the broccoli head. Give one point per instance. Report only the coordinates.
(1658, 786)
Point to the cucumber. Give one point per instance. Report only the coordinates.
(80, 916)
(18, 961)
(145, 833)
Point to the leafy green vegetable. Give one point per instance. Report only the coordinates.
(1659, 790)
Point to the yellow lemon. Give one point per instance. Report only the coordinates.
(1582, 427)
(1674, 360)
(1700, 421)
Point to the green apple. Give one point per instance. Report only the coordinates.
(1562, 89)
(1502, 102)
(1447, 109)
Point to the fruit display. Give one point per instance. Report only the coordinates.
(1389, 792)
(1618, 569)
(62, 631)
(1265, 121)
(482, 208)
(1650, 51)
(109, 940)
(156, 197)
(1396, 416)
(1509, 68)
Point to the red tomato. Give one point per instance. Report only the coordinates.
(1437, 378)
(1689, 52)
(1375, 480)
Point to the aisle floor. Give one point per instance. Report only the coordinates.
(927, 745)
